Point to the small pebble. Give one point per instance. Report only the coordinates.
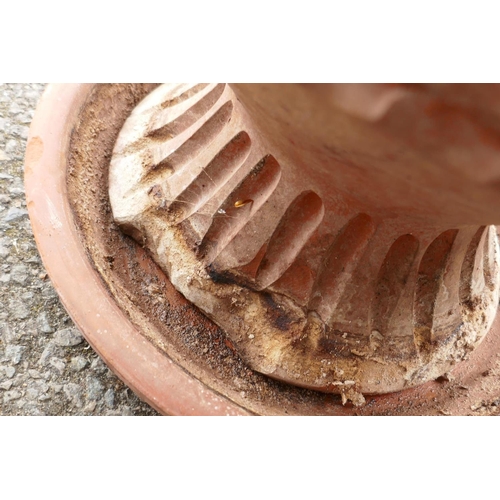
(94, 389)
(98, 365)
(18, 309)
(14, 108)
(73, 392)
(43, 323)
(68, 337)
(13, 353)
(32, 393)
(90, 407)
(15, 214)
(19, 274)
(124, 412)
(4, 251)
(56, 388)
(6, 385)
(42, 386)
(20, 131)
(78, 363)
(48, 352)
(109, 398)
(11, 146)
(58, 364)
(11, 395)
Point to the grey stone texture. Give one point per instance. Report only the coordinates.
(46, 366)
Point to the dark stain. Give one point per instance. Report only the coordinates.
(276, 314)
(334, 345)
(221, 278)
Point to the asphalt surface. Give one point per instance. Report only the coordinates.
(46, 366)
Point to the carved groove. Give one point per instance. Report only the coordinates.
(296, 226)
(430, 276)
(163, 105)
(200, 140)
(340, 262)
(169, 103)
(240, 206)
(489, 257)
(472, 278)
(392, 280)
(191, 116)
(297, 281)
(212, 178)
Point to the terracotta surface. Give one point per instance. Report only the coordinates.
(338, 234)
(161, 345)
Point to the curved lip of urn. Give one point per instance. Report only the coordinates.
(158, 380)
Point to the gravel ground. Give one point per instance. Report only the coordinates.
(46, 366)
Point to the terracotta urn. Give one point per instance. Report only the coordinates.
(277, 249)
